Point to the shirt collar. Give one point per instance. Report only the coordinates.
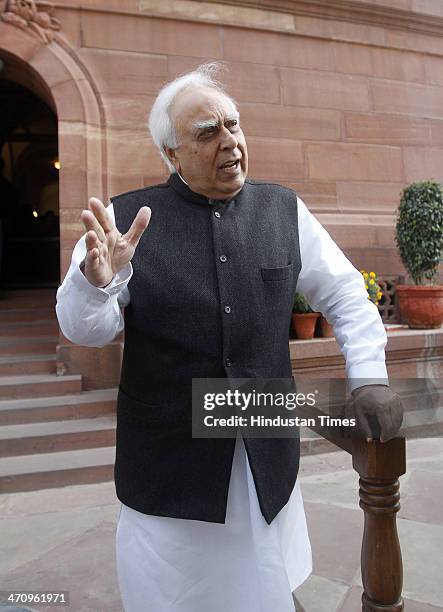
(178, 183)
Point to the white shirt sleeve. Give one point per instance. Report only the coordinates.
(334, 287)
(90, 315)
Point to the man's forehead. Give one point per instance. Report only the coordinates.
(202, 104)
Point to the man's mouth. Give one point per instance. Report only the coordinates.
(233, 163)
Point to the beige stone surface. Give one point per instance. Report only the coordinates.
(397, 4)
(434, 69)
(317, 195)
(127, 73)
(220, 13)
(402, 39)
(423, 163)
(324, 90)
(354, 162)
(334, 29)
(380, 62)
(275, 48)
(124, 111)
(386, 129)
(283, 158)
(150, 35)
(374, 196)
(132, 152)
(410, 99)
(299, 123)
(430, 7)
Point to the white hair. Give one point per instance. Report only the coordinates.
(160, 124)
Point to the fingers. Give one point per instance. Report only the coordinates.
(99, 210)
(138, 226)
(97, 219)
(363, 423)
(390, 420)
(93, 250)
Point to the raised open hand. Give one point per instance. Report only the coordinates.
(108, 251)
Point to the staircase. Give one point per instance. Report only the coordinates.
(52, 433)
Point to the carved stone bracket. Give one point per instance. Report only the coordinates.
(33, 16)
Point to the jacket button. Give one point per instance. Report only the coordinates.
(223, 258)
(227, 309)
(228, 362)
(217, 214)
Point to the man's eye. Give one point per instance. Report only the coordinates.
(208, 132)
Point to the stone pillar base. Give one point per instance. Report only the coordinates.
(99, 367)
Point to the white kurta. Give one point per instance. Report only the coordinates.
(245, 565)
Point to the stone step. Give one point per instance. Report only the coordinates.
(27, 299)
(87, 404)
(28, 346)
(10, 294)
(32, 385)
(27, 364)
(29, 328)
(50, 470)
(57, 436)
(17, 315)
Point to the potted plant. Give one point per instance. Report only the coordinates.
(326, 329)
(419, 237)
(303, 318)
(372, 287)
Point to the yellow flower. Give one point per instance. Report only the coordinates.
(376, 302)
(363, 271)
(372, 281)
(372, 274)
(366, 286)
(379, 295)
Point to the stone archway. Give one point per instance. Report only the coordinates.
(52, 70)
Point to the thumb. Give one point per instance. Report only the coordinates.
(138, 226)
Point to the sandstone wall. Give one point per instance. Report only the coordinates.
(342, 100)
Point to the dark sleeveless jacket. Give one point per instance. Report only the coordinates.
(197, 258)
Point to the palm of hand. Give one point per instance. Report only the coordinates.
(108, 251)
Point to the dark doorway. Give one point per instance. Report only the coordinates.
(29, 190)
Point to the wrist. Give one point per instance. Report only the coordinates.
(82, 268)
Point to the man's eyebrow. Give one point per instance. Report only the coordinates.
(203, 125)
(212, 123)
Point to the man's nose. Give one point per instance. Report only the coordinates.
(229, 140)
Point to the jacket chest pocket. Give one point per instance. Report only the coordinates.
(279, 274)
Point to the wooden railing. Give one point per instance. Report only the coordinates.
(379, 466)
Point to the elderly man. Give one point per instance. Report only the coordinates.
(211, 525)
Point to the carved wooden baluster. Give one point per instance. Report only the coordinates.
(379, 466)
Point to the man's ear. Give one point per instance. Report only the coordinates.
(171, 154)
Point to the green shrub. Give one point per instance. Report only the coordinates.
(419, 230)
(301, 305)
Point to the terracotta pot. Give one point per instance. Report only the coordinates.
(304, 324)
(326, 328)
(421, 305)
